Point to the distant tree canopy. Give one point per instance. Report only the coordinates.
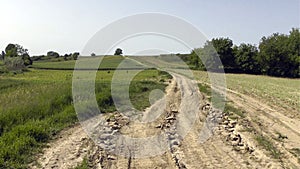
(246, 58)
(75, 55)
(118, 51)
(53, 54)
(280, 54)
(93, 54)
(276, 55)
(56, 57)
(16, 56)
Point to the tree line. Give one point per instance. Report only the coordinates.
(276, 55)
(16, 57)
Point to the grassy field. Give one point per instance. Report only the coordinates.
(282, 92)
(107, 63)
(37, 104)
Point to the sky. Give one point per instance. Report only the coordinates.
(66, 26)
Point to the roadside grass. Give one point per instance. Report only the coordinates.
(282, 92)
(36, 105)
(265, 143)
(234, 113)
(83, 165)
(143, 84)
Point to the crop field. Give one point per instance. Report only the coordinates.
(281, 92)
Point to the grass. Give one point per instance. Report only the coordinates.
(140, 89)
(282, 92)
(108, 62)
(234, 113)
(84, 164)
(32, 111)
(2, 67)
(237, 112)
(268, 145)
(36, 105)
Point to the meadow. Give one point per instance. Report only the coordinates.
(36, 104)
(110, 62)
(281, 92)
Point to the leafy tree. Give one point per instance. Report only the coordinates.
(118, 51)
(66, 56)
(27, 60)
(93, 54)
(75, 55)
(223, 46)
(208, 56)
(279, 54)
(11, 50)
(52, 54)
(246, 58)
(15, 50)
(195, 60)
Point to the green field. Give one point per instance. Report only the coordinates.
(35, 105)
(109, 62)
(282, 92)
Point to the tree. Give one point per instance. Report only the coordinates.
(194, 59)
(27, 60)
(93, 54)
(246, 58)
(52, 54)
(15, 50)
(118, 51)
(223, 46)
(279, 54)
(75, 55)
(11, 50)
(209, 57)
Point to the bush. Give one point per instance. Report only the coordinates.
(14, 63)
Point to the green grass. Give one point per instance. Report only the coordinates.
(55, 65)
(204, 89)
(36, 105)
(2, 67)
(268, 145)
(108, 62)
(143, 84)
(84, 165)
(237, 112)
(234, 113)
(282, 92)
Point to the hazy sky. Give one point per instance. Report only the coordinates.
(66, 25)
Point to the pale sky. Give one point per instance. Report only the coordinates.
(66, 26)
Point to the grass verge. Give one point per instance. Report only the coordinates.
(268, 145)
(36, 105)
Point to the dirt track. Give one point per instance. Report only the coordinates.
(230, 146)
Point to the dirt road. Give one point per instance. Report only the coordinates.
(230, 144)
